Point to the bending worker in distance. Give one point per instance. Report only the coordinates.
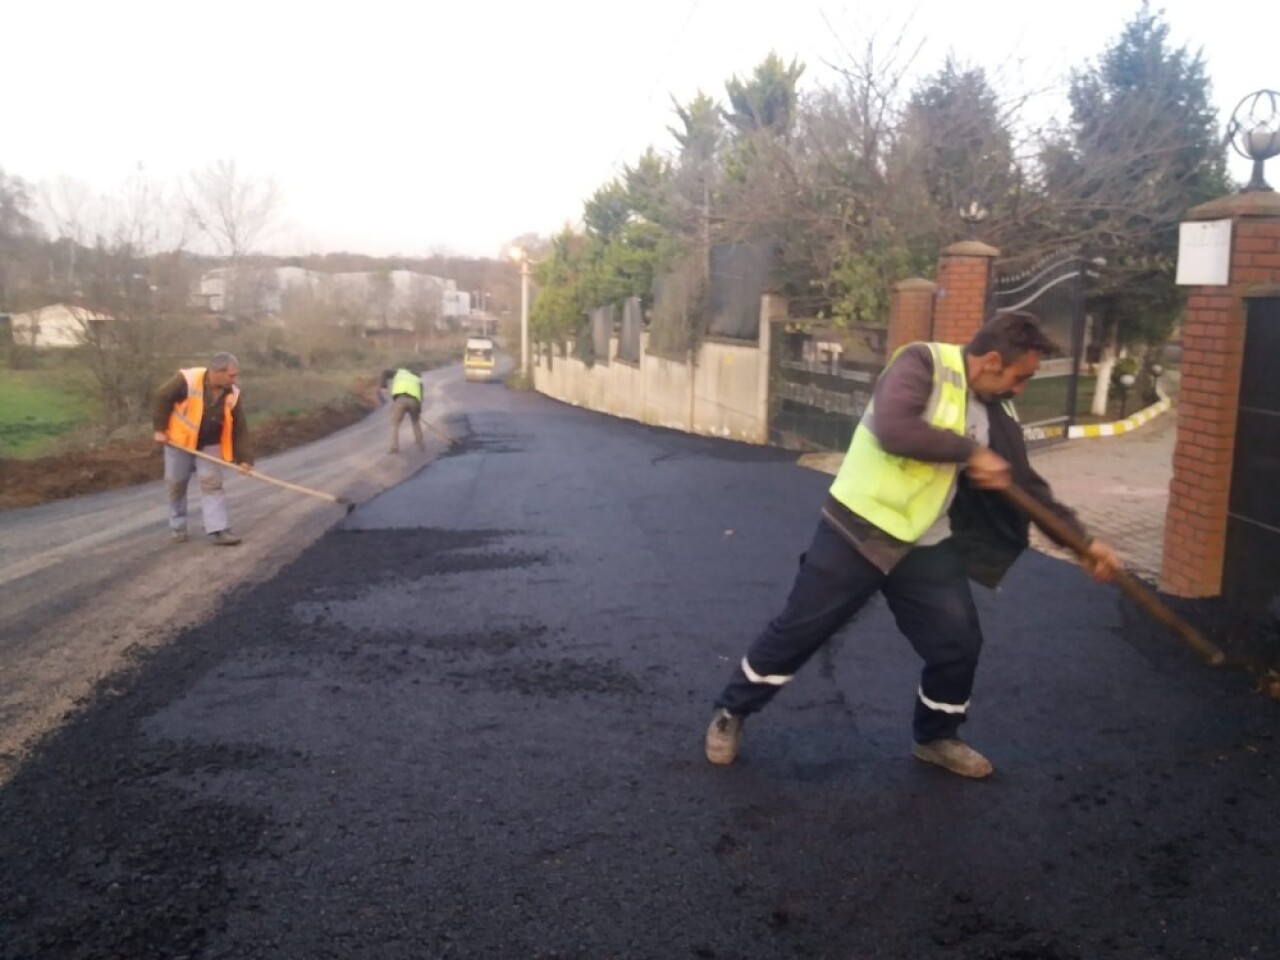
(914, 513)
(406, 401)
(200, 409)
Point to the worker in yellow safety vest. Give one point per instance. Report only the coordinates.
(406, 401)
(199, 409)
(915, 513)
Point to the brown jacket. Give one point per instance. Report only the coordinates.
(174, 391)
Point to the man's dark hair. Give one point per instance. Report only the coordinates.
(1011, 335)
(223, 361)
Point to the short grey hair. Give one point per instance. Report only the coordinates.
(224, 361)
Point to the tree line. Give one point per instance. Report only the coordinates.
(858, 184)
(851, 186)
(130, 255)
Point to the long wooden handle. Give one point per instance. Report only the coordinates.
(436, 430)
(1209, 651)
(319, 494)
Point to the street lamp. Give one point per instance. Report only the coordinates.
(1127, 380)
(521, 256)
(973, 214)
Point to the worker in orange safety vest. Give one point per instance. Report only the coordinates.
(199, 409)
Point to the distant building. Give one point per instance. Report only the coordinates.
(377, 301)
(54, 326)
(457, 303)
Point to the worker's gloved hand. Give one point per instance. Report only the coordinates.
(1101, 562)
(988, 470)
(160, 437)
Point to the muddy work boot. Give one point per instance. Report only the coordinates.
(179, 536)
(224, 538)
(724, 736)
(954, 755)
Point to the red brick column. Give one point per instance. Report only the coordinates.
(910, 313)
(964, 274)
(1195, 528)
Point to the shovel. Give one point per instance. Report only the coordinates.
(1209, 651)
(296, 487)
(437, 431)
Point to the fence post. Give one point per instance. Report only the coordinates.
(964, 285)
(1213, 336)
(910, 313)
(773, 307)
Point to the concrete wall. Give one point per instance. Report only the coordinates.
(726, 392)
(719, 395)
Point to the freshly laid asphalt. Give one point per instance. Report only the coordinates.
(467, 723)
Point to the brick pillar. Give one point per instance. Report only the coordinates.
(964, 276)
(910, 313)
(1195, 527)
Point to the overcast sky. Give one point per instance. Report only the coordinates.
(408, 127)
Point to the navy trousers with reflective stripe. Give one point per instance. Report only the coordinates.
(929, 596)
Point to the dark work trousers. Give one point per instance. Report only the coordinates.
(929, 596)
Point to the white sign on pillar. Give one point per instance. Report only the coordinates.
(1204, 253)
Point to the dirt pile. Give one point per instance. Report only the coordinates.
(26, 483)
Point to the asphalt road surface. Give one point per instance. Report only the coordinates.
(86, 583)
(466, 721)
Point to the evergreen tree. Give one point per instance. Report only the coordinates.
(18, 234)
(1144, 147)
(955, 138)
(767, 101)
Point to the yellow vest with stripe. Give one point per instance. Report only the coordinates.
(406, 381)
(184, 421)
(901, 496)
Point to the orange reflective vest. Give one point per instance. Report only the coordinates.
(184, 421)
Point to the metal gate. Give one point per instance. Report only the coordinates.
(1252, 564)
(817, 394)
(1052, 289)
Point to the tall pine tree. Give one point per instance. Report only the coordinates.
(1144, 147)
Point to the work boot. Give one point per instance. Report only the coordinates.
(724, 736)
(179, 536)
(954, 755)
(224, 538)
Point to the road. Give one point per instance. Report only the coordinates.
(87, 584)
(466, 721)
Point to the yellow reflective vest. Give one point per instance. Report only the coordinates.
(901, 496)
(184, 421)
(406, 381)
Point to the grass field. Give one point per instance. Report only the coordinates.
(270, 392)
(51, 409)
(39, 407)
(1046, 398)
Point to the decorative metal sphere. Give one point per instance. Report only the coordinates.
(972, 214)
(975, 211)
(1254, 132)
(1156, 369)
(1254, 128)
(1127, 379)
